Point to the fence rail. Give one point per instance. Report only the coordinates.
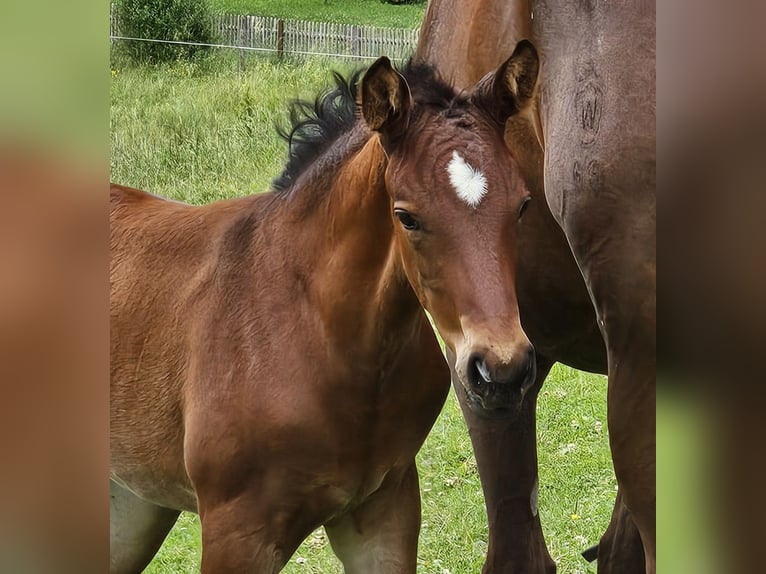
(299, 36)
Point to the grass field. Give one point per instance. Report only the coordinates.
(365, 12)
(203, 131)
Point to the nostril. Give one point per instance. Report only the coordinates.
(478, 371)
(481, 366)
(530, 361)
(530, 371)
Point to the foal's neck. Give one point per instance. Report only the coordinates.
(359, 282)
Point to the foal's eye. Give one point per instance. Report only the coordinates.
(523, 206)
(406, 219)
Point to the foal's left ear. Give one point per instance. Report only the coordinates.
(385, 99)
(510, 88)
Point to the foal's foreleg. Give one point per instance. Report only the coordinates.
(381, 535)
(136, 530)
(506, 455)
(247, 534)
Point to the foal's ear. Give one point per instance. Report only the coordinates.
(385, 99)
(511, 87)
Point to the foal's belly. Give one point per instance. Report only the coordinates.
(147, 441)
(166, 493)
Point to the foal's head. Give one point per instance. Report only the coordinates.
(457, 198)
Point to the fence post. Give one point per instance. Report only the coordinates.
(280, 37)
(356, 41)
(240, 43)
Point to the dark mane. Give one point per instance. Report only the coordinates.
(430, 89)
(314, 126)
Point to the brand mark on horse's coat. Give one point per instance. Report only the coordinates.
(469, 183)
(587, 174)
(589, 104)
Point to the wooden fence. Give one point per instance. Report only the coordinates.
(302, 37)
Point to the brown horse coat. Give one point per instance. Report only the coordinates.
(272, 367)
(595, 119)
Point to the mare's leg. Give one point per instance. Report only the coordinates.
(609, 220)
(136, 530)
(506, 455)
(381, 535)
(631, 418)
(620, 550)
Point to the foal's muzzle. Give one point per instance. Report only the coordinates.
(496, 388)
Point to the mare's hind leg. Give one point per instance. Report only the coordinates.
(506, 456)
(136, 530)
(620, 550)
(381, 535)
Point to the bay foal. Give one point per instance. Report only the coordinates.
(272, 366)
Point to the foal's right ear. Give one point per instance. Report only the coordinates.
(385, 99)
(510, 88)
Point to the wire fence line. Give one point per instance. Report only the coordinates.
(249, 33)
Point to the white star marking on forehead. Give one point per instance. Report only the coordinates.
(469, 183)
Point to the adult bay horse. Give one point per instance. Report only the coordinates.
(596, 182)
(272, 366)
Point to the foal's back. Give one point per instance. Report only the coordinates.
(166, 259)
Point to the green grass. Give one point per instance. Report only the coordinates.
(365, 12)
(203, 131)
